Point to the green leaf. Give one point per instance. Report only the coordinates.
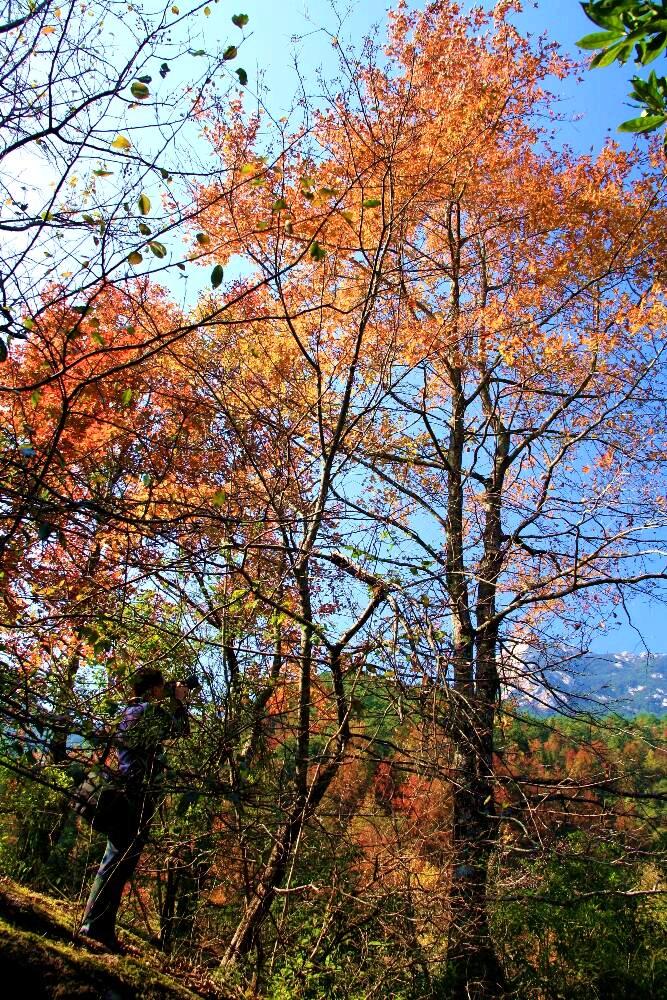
(28, 323)
(240, 20)
(144, 229)
(599, 39)
(144, 203)
(243, 76)
(44, 530)
(197, 52)
(219, 498)
(651, 49)
(103, 173)
(645, 123)
(139, 90)
(217, 275)
(126, 396)
(35, 397)
(3, 350)
(371, 202)
(158, 250)
(609, 18)
(134, 258)
(317, 252)
(203, 239)
(618, 52)
(230, 52)
(279, 205)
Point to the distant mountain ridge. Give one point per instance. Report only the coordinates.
(627, 683)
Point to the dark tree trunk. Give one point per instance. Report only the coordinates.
(474, 967)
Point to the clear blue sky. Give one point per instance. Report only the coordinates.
(277, 34)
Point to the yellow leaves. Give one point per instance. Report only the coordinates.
(48, 29)
(144, 203)
(139, 90)
(122, 143)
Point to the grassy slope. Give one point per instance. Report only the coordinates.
(40, 958)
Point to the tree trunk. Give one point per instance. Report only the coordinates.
(473, 964)
(259, 905)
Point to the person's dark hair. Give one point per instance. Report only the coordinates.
(146, 678)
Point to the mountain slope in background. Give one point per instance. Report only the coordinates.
(626, 683)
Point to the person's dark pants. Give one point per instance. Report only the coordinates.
(127, 836)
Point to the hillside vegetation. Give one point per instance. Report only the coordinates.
(578, 903)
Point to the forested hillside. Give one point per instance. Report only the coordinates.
(329, 442)
(575, 903)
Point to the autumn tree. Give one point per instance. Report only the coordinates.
(484, 334)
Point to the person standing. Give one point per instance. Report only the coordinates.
(150, 718)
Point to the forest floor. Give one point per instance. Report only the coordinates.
(40, 956)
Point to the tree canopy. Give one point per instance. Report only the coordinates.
(393, 464)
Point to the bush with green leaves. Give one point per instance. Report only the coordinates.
(632, 26)
(585, 925)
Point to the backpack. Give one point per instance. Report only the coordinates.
(98, 800)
